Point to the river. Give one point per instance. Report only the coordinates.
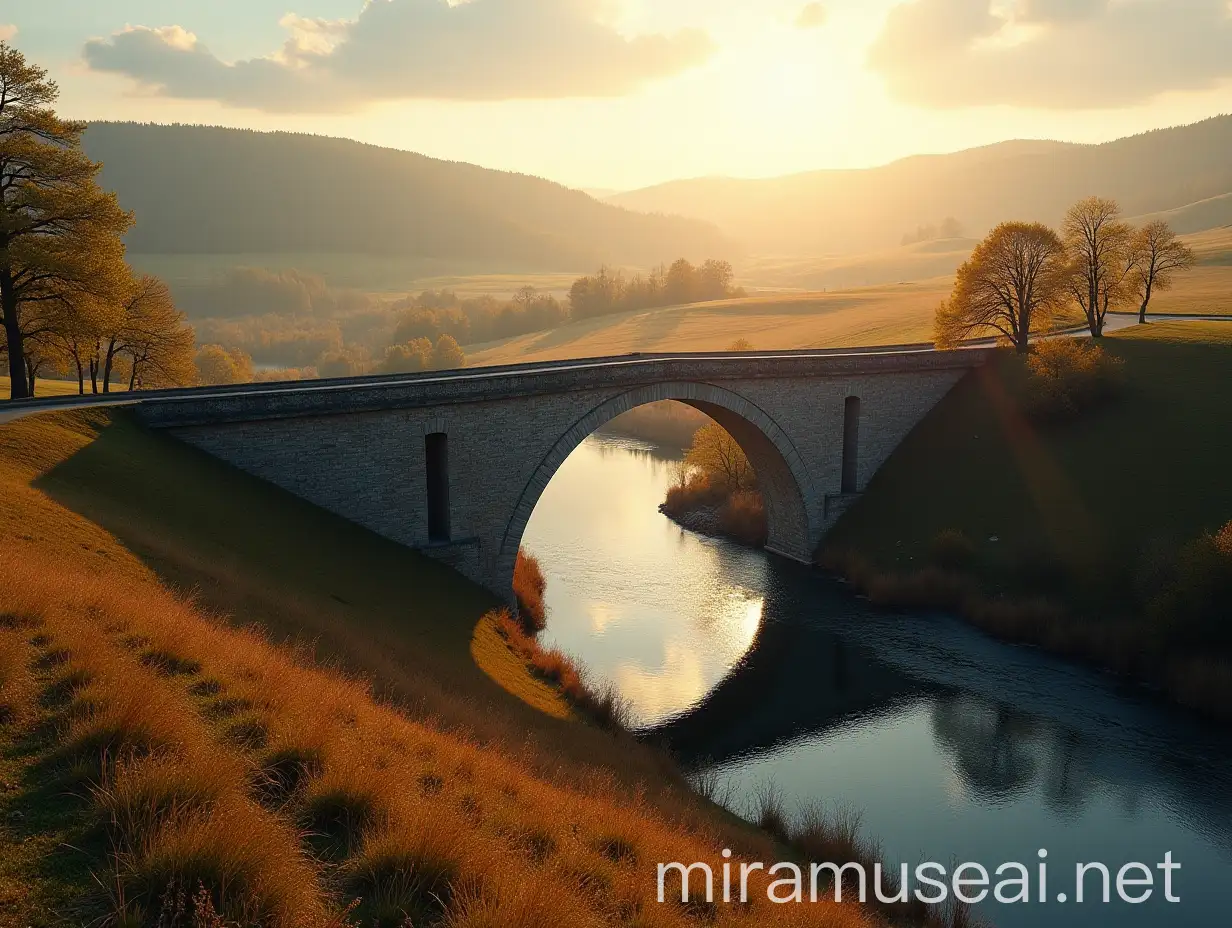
(951, 747)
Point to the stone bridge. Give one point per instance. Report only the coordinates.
(454, 463)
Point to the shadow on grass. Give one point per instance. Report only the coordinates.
(253, 552)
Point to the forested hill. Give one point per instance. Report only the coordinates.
(198, 190)
(862, 210)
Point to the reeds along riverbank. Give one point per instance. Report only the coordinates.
(1131, 647)
(706, 506)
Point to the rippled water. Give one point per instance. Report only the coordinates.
(951, 747)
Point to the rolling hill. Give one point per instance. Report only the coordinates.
(841, 212)
(1211, 213)
(210, 191)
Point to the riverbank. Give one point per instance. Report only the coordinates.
(703, 505)
(1086, 537)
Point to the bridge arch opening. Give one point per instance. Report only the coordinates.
(782, 479)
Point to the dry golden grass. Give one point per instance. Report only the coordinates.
(870, 316)
(881, 314)
(340, 799)
(529, 587)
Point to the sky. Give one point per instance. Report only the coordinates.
(620, 94)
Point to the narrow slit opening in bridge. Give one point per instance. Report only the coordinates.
(436, 448)
(851, 445)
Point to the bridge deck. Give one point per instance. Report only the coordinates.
(249, 402)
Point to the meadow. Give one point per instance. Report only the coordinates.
(376, 274)
(782, 318)
(869, 316)
(43, 388)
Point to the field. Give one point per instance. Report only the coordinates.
(889, 313)
(43, 388)
(375, 274)
(188, 655)
(1083, 512)
(871, 316)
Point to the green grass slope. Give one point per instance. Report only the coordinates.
(1070, 511)
(1154, 464)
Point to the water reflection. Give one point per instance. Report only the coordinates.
(676, 615)
(951, 745)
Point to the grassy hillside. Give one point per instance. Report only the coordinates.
(42, 387)
(880, 315)
(198, 190)
(927, 260)
(141, 732)
(1211, 213)
(870, 316)
(376, 274)
(921, 261)
(1084, 513)
(863, 210)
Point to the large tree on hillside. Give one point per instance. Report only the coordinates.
(144, 331)
(1013, 281)
(155, 338)
(1101, 259)
(60, 235)
(1158, 255)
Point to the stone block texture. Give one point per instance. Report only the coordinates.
(359, 451)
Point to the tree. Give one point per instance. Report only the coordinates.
(525, 296)
(720, 457)
(1012, 282)
(447, 356)
(60, 235)
(1157, 257)
(155, 338)
(216, 366)
(714, 280)
(1101, 261)
(680, 284)
(409, 357)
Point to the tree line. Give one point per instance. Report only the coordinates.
(481, 319)
(68, 299)
(610, 291)
(1027, 277)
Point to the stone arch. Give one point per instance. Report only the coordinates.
(784, 480)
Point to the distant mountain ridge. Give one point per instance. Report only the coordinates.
(202, 190)
(849, 211)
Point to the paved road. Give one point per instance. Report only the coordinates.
(1115, 323)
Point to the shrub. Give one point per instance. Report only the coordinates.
(1068, 377)
(696, 491)
(529, 586)
(951, 549)
(1194, 609)
(743, 517)
(1223, 541)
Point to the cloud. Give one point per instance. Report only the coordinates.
(1052, 53)
(7, 33)
(813, 16)
(405, 49)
